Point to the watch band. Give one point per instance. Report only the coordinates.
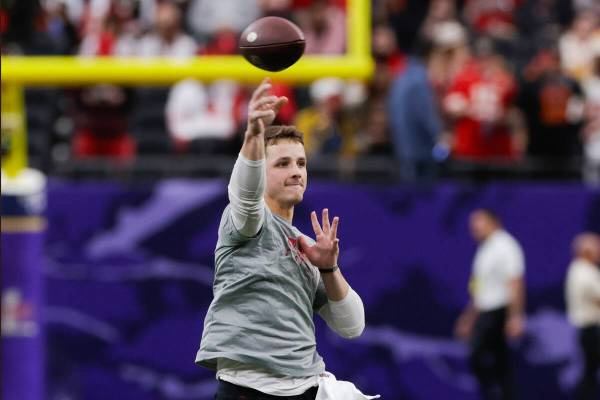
(329, 270)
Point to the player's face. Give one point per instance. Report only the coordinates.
(481, 226)
(286, 172)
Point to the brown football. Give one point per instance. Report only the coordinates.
(272, 43)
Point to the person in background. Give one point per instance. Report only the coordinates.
(405, 18)
(373, 135)
(60, 26)
(168, 40)
(439, 12)
(389, 59)
(206, 17)
(479, 103)
(587, 5)
(415, 123)
(321, 122)
(200, 117)
(101, 112)
(112, 34)
(495, 20)
(449, 53)
(324, 27)
(582, 291)
(579, 44)
(591, 130)
(354, 115)
(553, 104)
(496, 310)
(331, 122)
(101, 120)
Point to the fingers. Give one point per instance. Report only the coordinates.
(264, 86)
(279, 103)
(315, 223)
(263, 101)
(258, 114)
(334, 227)
(263, 108)
(325, 221)
(328, 229)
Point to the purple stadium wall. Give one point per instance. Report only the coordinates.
(129, 272)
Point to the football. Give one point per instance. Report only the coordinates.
(272, 43)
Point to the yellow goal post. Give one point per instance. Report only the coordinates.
(20, 71)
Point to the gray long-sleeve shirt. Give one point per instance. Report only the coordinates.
(265, 290)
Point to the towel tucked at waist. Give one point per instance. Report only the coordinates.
(332, 389)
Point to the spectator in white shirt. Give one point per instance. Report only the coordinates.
(591, 129)
(203, 114)
(206, 17)
(579, 44)
(496, 310)
(169, 40)
(583, 308)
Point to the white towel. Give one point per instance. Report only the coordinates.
(332, 389)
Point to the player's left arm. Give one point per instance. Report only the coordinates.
(515, 323)
(346, 317)
(344, 312)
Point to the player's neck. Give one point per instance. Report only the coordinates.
(285, 212)
(587, 260)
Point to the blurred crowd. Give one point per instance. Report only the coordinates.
(475, 81)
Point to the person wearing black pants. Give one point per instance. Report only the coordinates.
(489, 355)
(583, 308)
(589, 340)
(229, 391)
(495, 313)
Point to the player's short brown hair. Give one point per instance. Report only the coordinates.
(274, 133)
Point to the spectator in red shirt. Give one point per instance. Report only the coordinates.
(496, 20)
(480, 101)
(102, 124)
(493, 18)
(102, 111)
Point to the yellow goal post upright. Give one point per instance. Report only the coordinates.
(20, 71)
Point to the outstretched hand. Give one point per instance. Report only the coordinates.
(263, 108)
(324, 253)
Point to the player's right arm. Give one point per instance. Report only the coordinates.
(247, 183)
(466, 322)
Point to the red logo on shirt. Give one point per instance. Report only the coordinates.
(297, 254)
